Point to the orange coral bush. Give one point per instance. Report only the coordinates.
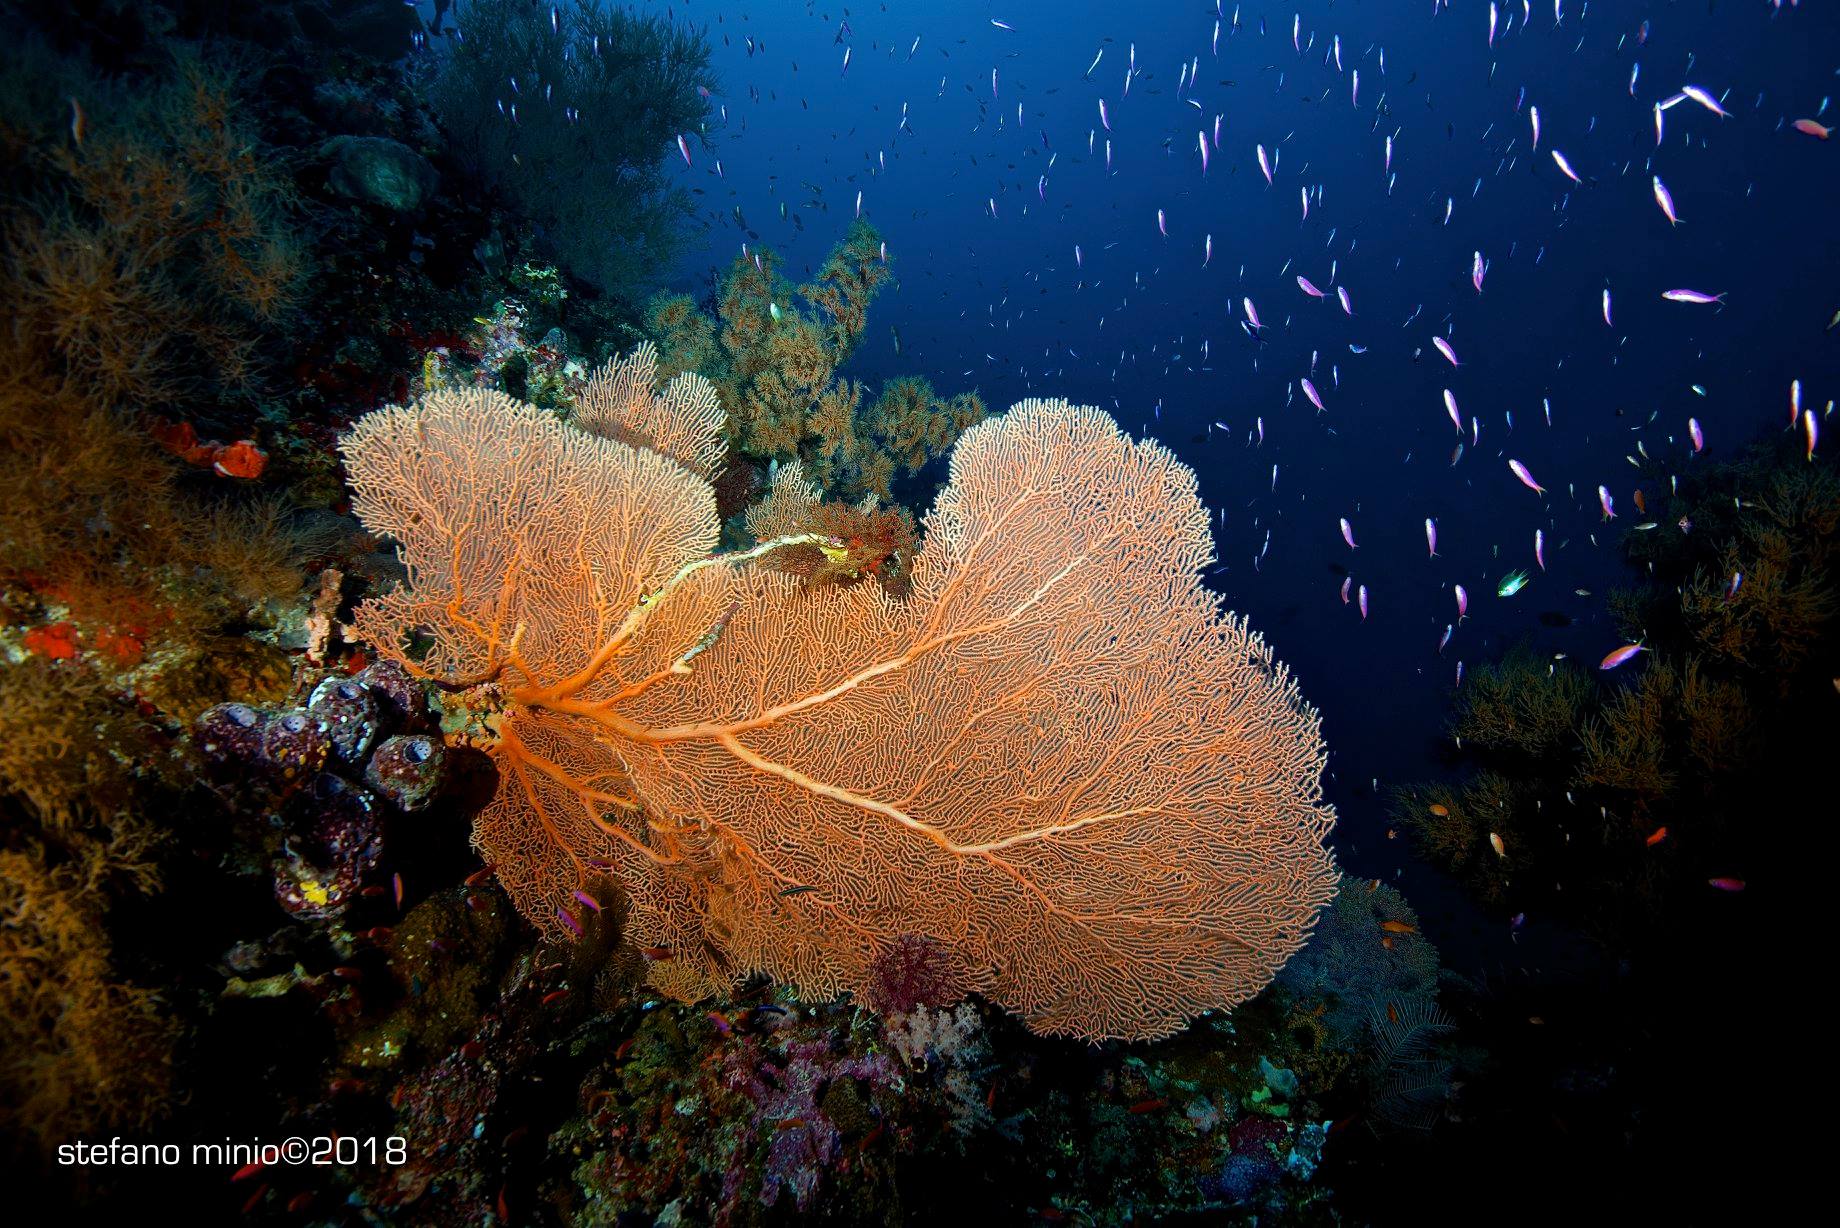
(864, 540)
(1058, 756)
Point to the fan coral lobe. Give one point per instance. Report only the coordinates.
(1057, 757)
(684, 421)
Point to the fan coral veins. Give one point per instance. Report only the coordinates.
(1057, 756)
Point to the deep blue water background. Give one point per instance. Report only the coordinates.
(990, 297)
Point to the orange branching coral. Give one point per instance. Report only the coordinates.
(1058, 756)
(791, 499)
(684, 421)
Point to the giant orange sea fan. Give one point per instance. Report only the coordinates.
(1057, 755)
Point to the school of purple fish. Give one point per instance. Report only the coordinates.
(1185, 231)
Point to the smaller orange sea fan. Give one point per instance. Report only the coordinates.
(683, 421)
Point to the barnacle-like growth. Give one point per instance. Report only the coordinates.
(1058, 756)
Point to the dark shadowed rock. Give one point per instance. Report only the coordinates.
(379, 171)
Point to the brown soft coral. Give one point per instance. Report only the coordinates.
(153, 253)
(1521, 703)
(159, 245)
(1452, 827)
(1785, 545)
(80, 1050)
(68, 748)
(1626, 741)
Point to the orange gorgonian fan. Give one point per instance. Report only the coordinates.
(1056, 755)
(684, 420)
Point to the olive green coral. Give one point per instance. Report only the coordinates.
(1521, 703)
(774, 351)
(1458, 827)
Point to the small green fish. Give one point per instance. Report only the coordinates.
(1582, 592)
(1700, 388)
(773, 310)
(1512, 583)
(1644, 527)
(796, 891)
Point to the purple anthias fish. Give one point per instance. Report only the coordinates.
(1665, 199)
(1619, 656)
(1705, 99)
(1521, 472)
